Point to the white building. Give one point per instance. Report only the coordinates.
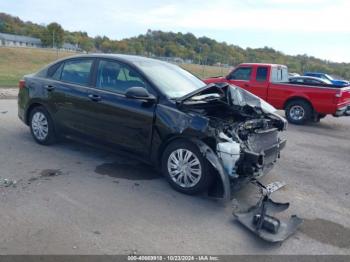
(70, 47)
(18, 40)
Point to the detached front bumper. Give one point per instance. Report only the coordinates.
(343, 111)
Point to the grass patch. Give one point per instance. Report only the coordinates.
(17, 62)
(205, 71)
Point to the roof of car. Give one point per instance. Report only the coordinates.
(262, 64)
(314, 73)
(129, 58)
(309, 77)
(306, 77)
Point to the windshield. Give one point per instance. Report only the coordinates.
(171, 79)
(325, 77)
(328, 77)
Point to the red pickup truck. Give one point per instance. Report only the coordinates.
(302, 102)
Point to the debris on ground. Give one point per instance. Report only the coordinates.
(260, 220)
(45, 174)
(50, 172)
(5, 182)
(32, 179)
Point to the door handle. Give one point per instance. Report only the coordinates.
(49, 87)
(246, 85)
(94, 98)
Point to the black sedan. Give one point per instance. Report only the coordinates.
(200, 136)
(309, 80)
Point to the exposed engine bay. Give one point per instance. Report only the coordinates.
(244, 127)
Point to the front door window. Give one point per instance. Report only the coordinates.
(117, 77)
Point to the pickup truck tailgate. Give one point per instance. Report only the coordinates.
(343, 96)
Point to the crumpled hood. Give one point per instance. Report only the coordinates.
(234, 96)
(242, 97)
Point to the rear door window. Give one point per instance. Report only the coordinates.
(52, 69)
(261, 74)
(279, 74)
(77, 71)
(242, 73)
(297, 80)
(311, 81)
(57, 73)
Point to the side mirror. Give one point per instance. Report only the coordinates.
(141, 93)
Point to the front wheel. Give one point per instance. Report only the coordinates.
(186, 170)
(298, 112)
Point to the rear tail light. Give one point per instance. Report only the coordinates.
(337, 96)
(339, 93)
(21, 84)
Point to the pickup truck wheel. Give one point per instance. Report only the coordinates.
(186, 170)
(318, 117)
(298, 112)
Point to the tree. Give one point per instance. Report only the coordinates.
(2, 26)
(85, 43)
(53, 35)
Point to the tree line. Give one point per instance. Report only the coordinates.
(200, 50)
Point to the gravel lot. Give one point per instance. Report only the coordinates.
(75, 199)
(8, 93)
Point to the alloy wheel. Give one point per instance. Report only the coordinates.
(297, 112)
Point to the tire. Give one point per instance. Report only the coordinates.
(198, 181)
(298, 112)
(318, 117)
(41, 126)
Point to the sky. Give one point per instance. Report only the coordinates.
(320, 28)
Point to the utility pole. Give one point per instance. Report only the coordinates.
(53, 39)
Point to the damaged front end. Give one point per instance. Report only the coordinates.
(242, 143)
(242, 134)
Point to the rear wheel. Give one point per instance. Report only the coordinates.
(298, 112)
(41, 126)
(185, 168)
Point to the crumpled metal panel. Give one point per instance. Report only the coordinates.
(260, 220)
